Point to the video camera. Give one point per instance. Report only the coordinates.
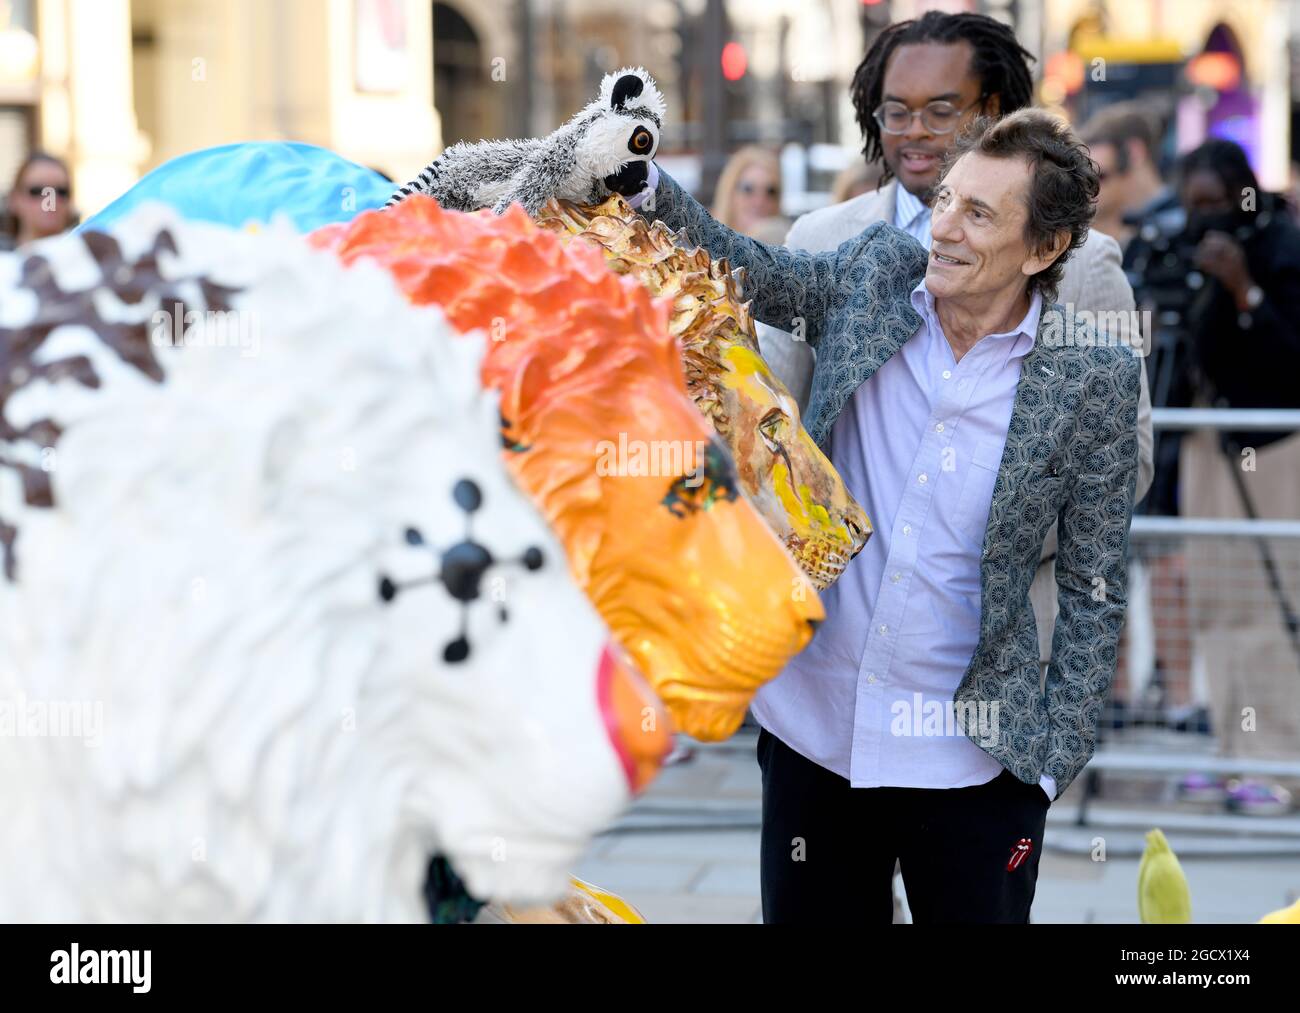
(1160, 261)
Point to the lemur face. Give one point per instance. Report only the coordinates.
(624, 133)
(642, 143)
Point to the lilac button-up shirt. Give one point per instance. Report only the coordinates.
(919, 446)
(912, 216)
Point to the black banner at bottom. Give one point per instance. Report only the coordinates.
(341, 961)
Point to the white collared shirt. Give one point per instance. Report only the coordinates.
(919, 446)
(912, 216)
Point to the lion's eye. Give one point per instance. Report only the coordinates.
(772, 427)
(641, 142)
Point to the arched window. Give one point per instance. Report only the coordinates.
(461, 79)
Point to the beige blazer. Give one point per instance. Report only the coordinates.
(1093, 281)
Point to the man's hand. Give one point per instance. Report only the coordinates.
(1221, 257)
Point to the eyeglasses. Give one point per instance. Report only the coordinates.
(937, 117)
(748, 189)
(39, 191)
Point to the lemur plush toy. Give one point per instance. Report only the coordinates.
(606, 148)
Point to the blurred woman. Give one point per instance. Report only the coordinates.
(39, 202)
(749, 191)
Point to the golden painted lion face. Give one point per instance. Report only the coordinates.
(796, 489)
(781, 471)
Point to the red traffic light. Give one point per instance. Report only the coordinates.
(734, 61)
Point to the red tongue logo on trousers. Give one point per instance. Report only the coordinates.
(1019, 853)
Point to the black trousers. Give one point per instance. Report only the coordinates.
(828, 850)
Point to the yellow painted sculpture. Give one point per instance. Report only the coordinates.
(1163, 896)
(1283, 916)
(600, 432)
(584, 904)
(781, 470)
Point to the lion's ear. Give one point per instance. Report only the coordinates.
(626, 88)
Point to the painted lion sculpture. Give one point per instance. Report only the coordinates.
(599, 430)
(781, 470)
(281, 637)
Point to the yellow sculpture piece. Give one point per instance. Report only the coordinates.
(781, 470)
(1163, 896)
(584, 904)
(1283, 916)
(599, 431)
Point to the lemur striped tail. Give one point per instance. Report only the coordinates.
(422, 183)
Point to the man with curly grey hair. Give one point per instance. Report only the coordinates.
(967, 412)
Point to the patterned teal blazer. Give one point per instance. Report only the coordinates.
(1071, 454)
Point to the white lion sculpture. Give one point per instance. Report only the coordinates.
(208, 710)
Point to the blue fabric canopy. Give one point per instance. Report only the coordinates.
(236, 184)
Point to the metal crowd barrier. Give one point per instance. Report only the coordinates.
(1211, 634)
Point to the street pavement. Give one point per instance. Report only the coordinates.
(688, 852)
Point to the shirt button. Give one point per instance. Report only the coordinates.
(939, 428)
(907, 529)
(947, 374)
(871, 677)
(921, 478)
(884, 628)
(897, 577)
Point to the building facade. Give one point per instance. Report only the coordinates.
(121, 86)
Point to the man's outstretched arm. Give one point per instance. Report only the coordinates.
(791, 285)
